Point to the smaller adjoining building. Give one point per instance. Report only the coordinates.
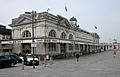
(5, 34)
(114, 45)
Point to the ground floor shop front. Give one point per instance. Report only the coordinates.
(52, 47)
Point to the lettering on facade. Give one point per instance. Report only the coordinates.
(10, 42)
(54, 40)
(47, 40)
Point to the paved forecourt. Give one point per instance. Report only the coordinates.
(94, 65)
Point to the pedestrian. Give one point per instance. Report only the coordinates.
(46, 59)
(114, 53)
(77, 57)
(51, 59)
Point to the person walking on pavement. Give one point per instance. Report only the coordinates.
(46, 59)
(77, 57)
(51, 59)
(114, 54)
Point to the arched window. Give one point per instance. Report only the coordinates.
(26, 34)
(71, 45)
(52, 46)
(63, 35)
(52, 33)
(70, 36)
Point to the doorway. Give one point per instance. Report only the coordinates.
(63, 47)
(26, 48)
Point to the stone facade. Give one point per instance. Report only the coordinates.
(52, 35)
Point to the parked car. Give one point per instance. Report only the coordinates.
(6, 61)
(18, 57)
(13, 58)
(28, 60)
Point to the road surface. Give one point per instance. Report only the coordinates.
(94, 65)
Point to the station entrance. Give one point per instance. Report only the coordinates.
(26, 48)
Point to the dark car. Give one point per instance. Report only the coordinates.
(18, 57)
(5, 61)
(13, 58)
(28, 60)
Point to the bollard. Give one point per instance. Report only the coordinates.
(45, 62)
(39, 60)
(22, 63)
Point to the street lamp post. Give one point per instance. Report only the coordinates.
(33, 42)
(33, 37)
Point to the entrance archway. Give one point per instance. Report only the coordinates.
(26, 48)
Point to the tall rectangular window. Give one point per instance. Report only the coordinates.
(52, 47)
(76, 46)
(70, 46)
(3, 37)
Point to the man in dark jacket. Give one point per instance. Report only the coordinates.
(77, 57)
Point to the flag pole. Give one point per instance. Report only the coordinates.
(66, 10)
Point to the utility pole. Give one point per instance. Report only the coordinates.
(33, 42)
(33, 37)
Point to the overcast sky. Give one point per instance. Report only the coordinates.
(104, 14)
